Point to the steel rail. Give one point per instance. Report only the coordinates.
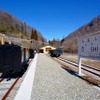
(1, 79)
(81, 64)
(75, 64)
(9, 90)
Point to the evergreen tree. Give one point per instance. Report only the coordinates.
(34, 35)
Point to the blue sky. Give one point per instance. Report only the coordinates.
(53, 18)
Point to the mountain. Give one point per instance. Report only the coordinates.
(12, 26)
(70, 43)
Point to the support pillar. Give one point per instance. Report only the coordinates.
(79, 65)
(9, 42)
(2, 40)
(24, 54)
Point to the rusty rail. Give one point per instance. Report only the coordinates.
(12, 86)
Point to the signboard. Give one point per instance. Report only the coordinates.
(89, 46)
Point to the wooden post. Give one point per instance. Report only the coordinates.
(79, 65)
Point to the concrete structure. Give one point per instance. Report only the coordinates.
(4, 39)
(46, 49)
(28, 82)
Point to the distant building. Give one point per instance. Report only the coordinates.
(46, 49)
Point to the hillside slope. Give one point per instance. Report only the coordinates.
(12, 26)
(70, 42)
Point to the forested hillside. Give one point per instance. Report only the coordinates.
(70, 44)
(10, 25)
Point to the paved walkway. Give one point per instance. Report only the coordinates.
(52, 82)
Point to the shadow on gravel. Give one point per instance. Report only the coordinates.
(71, 72)
(98, 86)
(86, 78)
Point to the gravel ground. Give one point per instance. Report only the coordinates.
(52, 82)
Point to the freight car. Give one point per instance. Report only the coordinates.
(56, 52)
(14, 60)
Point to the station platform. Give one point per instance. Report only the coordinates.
(47, 80)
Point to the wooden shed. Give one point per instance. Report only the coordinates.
(46, 49)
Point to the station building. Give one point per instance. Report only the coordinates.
(46, 49)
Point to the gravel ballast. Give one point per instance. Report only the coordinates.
(52, 82)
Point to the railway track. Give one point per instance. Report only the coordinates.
(6, 87)
(86, 68)
(1, 79)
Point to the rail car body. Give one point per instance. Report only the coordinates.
(14, 59)
(56, 52)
